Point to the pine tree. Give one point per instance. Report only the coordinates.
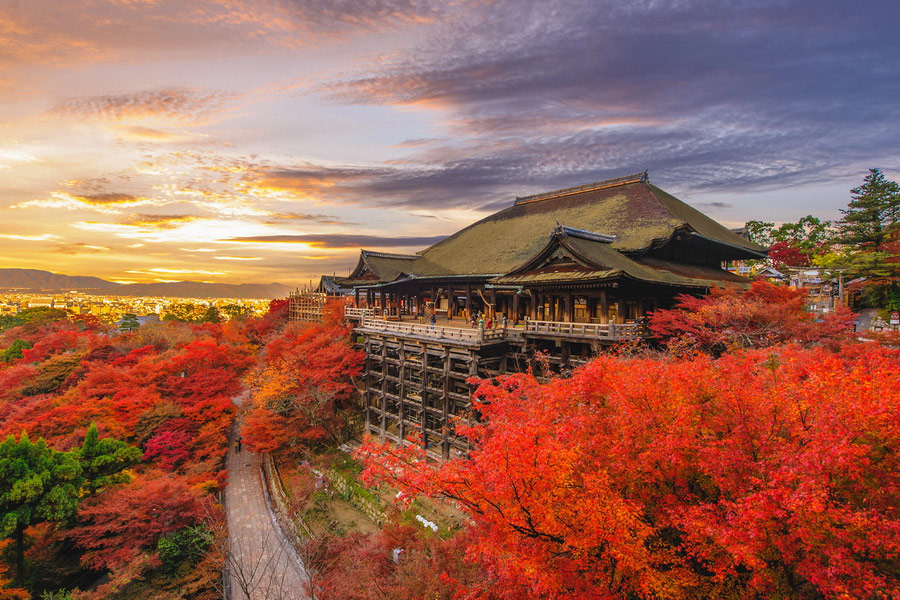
(872, 212)
(37, 483)
(211, 315)
(104, 461)
(129, 322)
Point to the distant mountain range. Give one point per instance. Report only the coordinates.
(35, 280)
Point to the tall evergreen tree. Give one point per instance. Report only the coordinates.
(129, 322)
(869, 241)
(105, 460)
(37, 483)
(872, 212)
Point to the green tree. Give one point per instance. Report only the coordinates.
(129, 322)
(872, 212)
(793, 244)
(211, 315)
(869, 241)
(237, 311)
(40, 315)
(15, 350)
(9, 321)
(37, 483)
(103, 461)
(187, 312)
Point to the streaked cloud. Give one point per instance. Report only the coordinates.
(41, 237)
(109, 202)
(80, 248)
(186, 105)
(280, 218)
(712, 95)
(238, 258)
(184, 271)
(338, 240)
(159, 221)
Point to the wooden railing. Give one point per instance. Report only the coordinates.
(602, 331)
(591, 331)
(460, 334)
(361, 313)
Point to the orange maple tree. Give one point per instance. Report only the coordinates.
(731, 318)
(765, 473)
(302, 391)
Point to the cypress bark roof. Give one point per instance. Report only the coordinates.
(636, 216)
(573, 256)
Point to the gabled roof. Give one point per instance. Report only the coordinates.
(639, 215)
(574, 255)
(379, 267)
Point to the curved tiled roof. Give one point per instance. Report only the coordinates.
(596, 259)
(638, 214)
(635, 215)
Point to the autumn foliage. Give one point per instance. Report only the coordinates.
(763, 474)
(731, 318)
(302, 390)
(159, 399)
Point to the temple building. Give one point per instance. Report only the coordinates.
(564, 273)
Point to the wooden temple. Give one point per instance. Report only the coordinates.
(564, 273)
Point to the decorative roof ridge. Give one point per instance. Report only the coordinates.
(563, 230)
(389, 255)
(589, 187)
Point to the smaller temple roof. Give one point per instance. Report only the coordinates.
(379, 267)
(575, 255)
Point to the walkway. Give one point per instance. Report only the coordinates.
(262, 564)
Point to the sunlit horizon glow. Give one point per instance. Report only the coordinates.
(175, 137)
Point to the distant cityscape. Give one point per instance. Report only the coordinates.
(111, 308)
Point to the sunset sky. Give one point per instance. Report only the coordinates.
(267, 140)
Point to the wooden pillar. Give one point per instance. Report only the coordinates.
(469, 300)
(423, 388)
(384, 398)
(570, 308)
(604, 307)
(494, 304)
(401, 419)
(515, 310)
(450, 303)
(356, 298)
(367, 383)
(446, 394)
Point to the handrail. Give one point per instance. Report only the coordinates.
(588, 330)
(463, 334)
(603, 331)
(361, 313)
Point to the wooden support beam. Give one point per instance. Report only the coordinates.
(604, 307)
(468, 301)
(384, 389)
(515, 309)
(401, 417)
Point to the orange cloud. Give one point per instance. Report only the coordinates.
(177, 104)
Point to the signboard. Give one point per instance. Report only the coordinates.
(895, 318)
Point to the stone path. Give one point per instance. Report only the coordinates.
(262, 564)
